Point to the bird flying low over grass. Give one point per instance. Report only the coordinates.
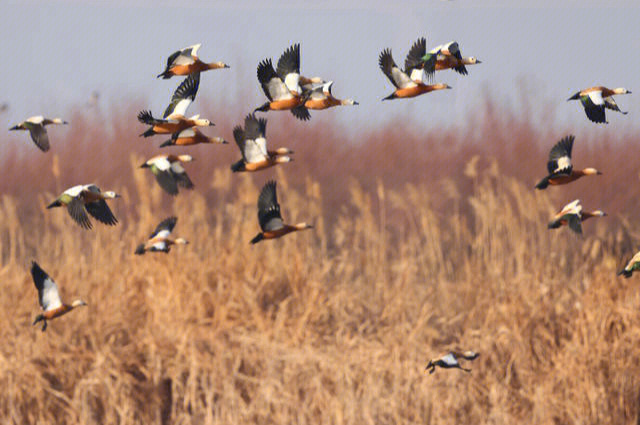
(632, 266)
(560, 167)
(448, 56)
(450, 361)
(419, 66)
(160, 240)
(253, 145)
(596, 99)
(49, 297)
(573, 216)
(38, 133)
(269, 216)
(185, 61)
(282, 87)
(173, 120)
(320, 97)
(83, 199)
(191, 136)
(169, 172)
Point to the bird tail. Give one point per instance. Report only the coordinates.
(54, 204)
(140, 249)
(237, 166)
(167, 143)
(257, 238)
(148, 133)
(542, 184)
(626, 273)
(390, 97)
(165, 75)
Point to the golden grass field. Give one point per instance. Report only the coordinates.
(424, 241)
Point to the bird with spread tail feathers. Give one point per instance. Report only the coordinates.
(83, 199)
(269, 216)
(173, 119)
(560, 167)
(160, 240)
(49, 297)
(185, 61)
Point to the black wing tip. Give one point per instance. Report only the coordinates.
(145, 116)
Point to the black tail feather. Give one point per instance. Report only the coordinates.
(257, 238)
(237, 166)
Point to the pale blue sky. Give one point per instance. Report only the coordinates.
(58, 52)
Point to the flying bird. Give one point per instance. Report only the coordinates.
(269, 216)
(320, 97)
(596, 99)
(169, 172)
(282, 87)
(560, 167)
(36, 127)
(185, 61)
(49, 297)
(450, 57)
(418, 67)
(192, 136)
(632, 266)
(173, 120)
(253, 145)
(160, 240)
(83, 199)
(451, 361)
(573, 216)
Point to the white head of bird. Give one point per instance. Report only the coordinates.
(58, 121)
(185, 158)
(110, 194)
(181, 241)
(621, 90)
(78, 303)
(591, 171)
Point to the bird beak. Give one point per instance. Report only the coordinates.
(356, 103)
(226, 66)
(477, 61)
(15, 127)
(144, 165)
(65, 122)
(449, 87)
(211, 124)
(599, 173)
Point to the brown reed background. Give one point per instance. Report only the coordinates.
(425, 240)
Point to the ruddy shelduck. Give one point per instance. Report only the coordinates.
(269, 216)
(573, 216)
(450, 361)
(49, 297)
(321, 98)
(282, 88)
(560, 167)
(419, 66)
(174, 120)
(450, 57)
(192, 136)
(83, 199)
(169, 172)
(596, 99)
(160, 240)
(185, 61)
(253, 145)
(35, 126)
(632, 266)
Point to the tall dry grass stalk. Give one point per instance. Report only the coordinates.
(438, 248)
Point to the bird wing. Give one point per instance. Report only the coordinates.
(575, 223)
(164, 229)
(186, 56)
(166, 180)
(288, 68)
(414, 57)
(48, 294)
(449, 359)
(397, 77)
(272, 85)
(610, 103)
(78, 213)
(560, 157)
(268, 208)
(255, 130)
(183, 96)
(101, 212)
(39, 136)
(595, 111)
(238, 135)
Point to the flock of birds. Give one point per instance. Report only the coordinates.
(286, 90)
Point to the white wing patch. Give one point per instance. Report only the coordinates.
(159, 246)
(188, 132)
(402, 79)
(261, 142)
(450, 359)
(596, 97)
(418, 75)
(563, 162)
(181, 107)
(292, 81)
(177, 168)
(74, 191)
(278, 90)
(35, 120)
(162, 163)
(50, 296)
(253, 152)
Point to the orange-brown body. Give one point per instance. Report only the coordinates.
(414, 91)
(170, 128)
(280, 232)
(575, 175)
(283, 105)
(197, 66)
(322, 103)
(52, 314)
